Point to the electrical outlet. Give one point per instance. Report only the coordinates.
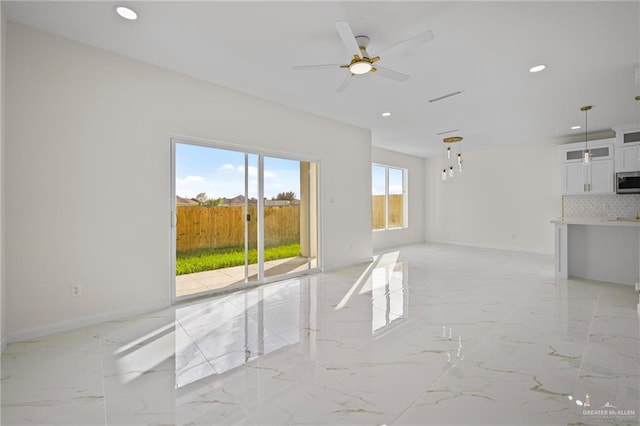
(76, 290)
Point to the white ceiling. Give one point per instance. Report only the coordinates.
(481, 48)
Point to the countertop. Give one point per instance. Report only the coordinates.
(598, 221)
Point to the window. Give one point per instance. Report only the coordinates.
(389, 202)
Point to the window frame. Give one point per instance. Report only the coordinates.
(405, 198)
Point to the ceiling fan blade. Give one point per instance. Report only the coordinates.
(391, 74)
(409, 44)
(315, 67)
(348, 39)
(344, 84)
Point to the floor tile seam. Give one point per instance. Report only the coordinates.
(238, 402)
(475, 347)
(431, 385)
(443, 374)
(103, 380)
(531, 294)
(588, 338)
(505, 317)
(245, 311)
(194, 343)
(211, 361)
(247, 407)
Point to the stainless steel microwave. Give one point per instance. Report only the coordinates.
(628, 183)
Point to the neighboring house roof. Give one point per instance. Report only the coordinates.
(181, 201)
(238, 199)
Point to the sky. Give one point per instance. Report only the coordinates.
(220, 173)
(378, 180)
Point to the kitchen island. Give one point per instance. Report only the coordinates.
(602, 249)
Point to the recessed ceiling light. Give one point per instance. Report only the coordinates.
(575, 127)
(386, 114)
(537, 68)
(126, 13)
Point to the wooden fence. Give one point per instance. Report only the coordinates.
(396, 214)
(223, 226)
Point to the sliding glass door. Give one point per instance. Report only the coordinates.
(290, 219)
(241, 218)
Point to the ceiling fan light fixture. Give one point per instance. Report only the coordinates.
(452, 139)
(360, 67)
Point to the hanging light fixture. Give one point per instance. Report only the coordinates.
(586, 154)
(448, 172)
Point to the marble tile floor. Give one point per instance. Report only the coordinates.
(424, 335)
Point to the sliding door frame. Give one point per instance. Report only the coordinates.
(261, 153)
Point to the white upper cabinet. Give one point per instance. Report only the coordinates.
(597, 177)
(627, 150)
(628, 158)
(601, 177)
(573, 178)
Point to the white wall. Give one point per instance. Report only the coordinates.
(3, 298)
(414, 233)
(88, 176)
(504, 199)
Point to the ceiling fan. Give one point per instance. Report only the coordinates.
(363, 62)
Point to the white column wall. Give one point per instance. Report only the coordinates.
(88, 176)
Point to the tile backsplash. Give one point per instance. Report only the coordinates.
(610, 205)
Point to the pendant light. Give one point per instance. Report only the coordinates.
(448, 172)
(586, 154)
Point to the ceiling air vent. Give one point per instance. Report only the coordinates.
(448, 95)
(448, 131)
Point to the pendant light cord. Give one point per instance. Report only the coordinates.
(586, 109)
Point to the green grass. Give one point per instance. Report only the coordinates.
(208, 259)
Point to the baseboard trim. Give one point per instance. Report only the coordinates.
(479, 246)
(46, 330)
(347, 264)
